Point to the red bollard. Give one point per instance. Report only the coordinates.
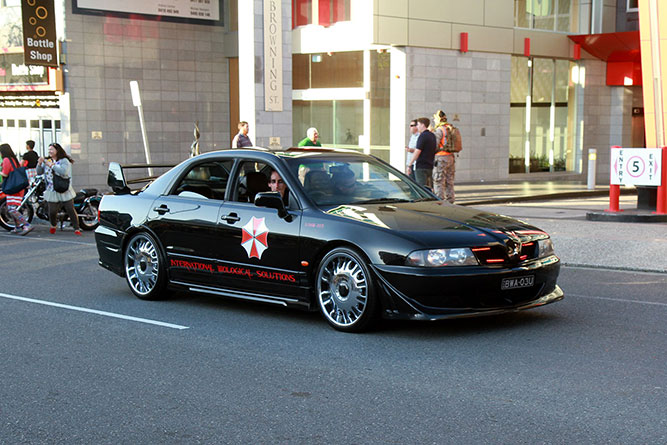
(614, 194)
(661, 202)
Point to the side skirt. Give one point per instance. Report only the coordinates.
(250, 296)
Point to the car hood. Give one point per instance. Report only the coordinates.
(436, 219)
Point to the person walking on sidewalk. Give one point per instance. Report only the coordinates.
(9, 164)
(444, 166)
(58, 163)
(424, 154)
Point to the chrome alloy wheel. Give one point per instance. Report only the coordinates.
(142, 264)
(342, 289)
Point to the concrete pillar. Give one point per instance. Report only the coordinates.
(270, 121)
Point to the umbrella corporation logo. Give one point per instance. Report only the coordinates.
(254, 237)
(513, 244)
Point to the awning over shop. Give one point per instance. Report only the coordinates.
(620, 50)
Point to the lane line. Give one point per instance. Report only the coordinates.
(615, 268)
(621, 300)
(94, 311)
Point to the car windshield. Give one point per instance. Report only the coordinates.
(335, 179)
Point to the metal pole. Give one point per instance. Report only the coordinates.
(592, 158)
(136, 101)
(145, 137)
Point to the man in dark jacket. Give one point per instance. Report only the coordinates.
(424, 153)
(30, 157)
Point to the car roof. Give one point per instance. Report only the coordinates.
(289, 153)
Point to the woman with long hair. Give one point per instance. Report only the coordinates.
(58, 163)
(9, 164)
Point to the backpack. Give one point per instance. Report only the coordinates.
(451, 139)
(16, 181)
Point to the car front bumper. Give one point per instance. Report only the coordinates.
(434, 294)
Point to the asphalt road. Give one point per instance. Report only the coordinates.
(588, 369)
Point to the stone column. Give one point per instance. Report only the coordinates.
(262, 24)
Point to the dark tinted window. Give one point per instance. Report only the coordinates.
(206, 181)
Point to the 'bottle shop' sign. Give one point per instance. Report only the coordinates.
(39, 33)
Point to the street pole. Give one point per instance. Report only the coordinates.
(136, 101)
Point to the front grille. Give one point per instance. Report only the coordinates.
(499, 255)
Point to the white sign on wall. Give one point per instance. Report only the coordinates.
(189, 9)
(636, 166)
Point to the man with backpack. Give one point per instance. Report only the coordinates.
(449, 143)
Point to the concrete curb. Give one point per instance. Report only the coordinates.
(542, 197)
(645, 216)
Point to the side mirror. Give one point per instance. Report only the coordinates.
(271, 200)
(116, 179)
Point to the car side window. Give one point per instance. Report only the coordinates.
(253, 177)
(208, 180)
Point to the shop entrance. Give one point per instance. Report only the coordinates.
(43, 130)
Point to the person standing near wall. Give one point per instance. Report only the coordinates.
(424, 154)
(241, 139)
(311, 139)
(444, 166)
(410, 148)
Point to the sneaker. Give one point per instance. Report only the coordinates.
(77, 232)
(52, 230)
(26, 229)
(17, 229)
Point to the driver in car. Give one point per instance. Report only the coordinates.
(276, 184)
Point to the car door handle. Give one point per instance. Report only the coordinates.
(162, 209)
(231, 218)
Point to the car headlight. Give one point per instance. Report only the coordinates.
(460, 256)
(546, 247)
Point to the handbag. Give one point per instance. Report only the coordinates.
(60, 184)
(16, 181)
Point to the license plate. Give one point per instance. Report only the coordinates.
(517, 282)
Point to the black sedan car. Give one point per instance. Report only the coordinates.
(341, 232)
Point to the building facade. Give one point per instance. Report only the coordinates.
(529, 102)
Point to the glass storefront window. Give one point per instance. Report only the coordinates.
(541, 116)
(338, 99)
(380, 93)
(338, 122)
(332, 70)
(547, 15)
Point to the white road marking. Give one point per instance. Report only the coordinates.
(93, 311)
(652, 303)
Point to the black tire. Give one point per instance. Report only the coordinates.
(6, 220)
(144, 267)
(88, 219)
(345, 291)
